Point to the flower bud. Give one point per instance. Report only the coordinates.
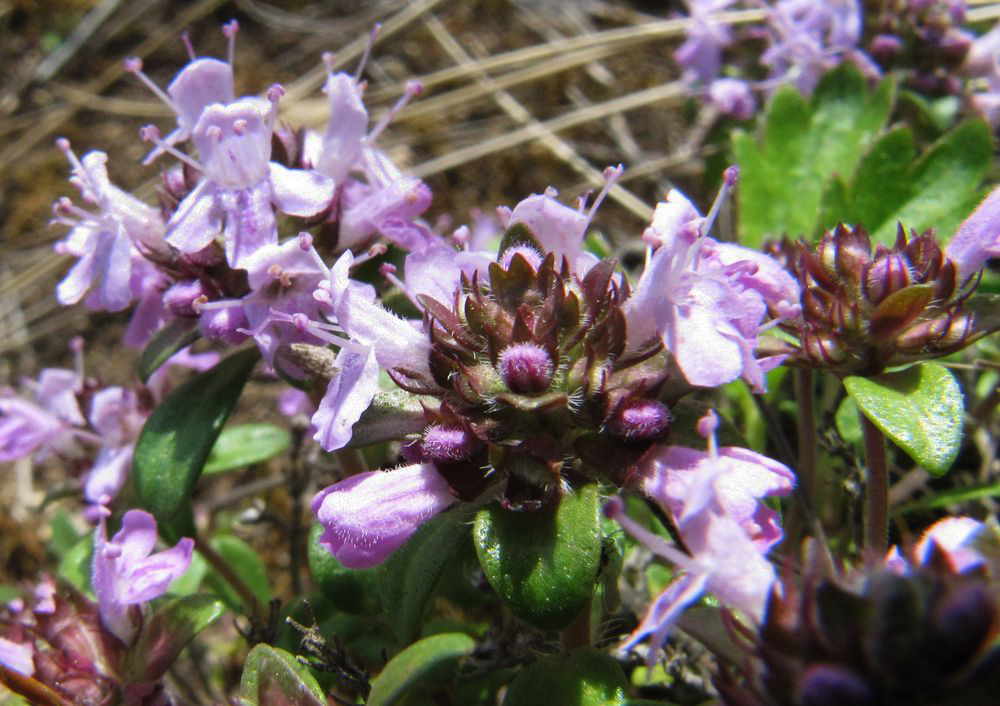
(223, 325)
(829, 685)
(185, 298)
(447, 443)
(640, 420)
(889, 273)
(526, 368)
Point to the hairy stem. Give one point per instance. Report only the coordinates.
(578, 632)
(805, 427)
(876, 489)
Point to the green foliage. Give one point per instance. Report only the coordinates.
(584, 677)
(408, 577)
(543, 564)
(415, 663)
(245, 561)
(273, 677)
(245, 444)
(784, 176)
(179, 435)
(176, 335)
(920, 409)
(830, 157)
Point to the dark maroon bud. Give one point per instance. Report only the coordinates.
(447, 443)
(185, 298)
(885, 48)
(830, 685)
(961, 622)
(526, 367)
(953, 48)
(175, 183)
(640, 420)
(889, 273)
(223, 324)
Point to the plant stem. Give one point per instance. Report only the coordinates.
(805, 424)
(351, 461)
(876, 490)
(217, 562)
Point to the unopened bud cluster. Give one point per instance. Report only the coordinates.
(527, 366)
(863, 311)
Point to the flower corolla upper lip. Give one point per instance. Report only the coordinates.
(199, 84)
(234, 142)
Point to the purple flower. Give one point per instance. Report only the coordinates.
(241, 186)
(368, 516)
(115, 415)
(701, 53)
(977, 238)
(126, 573)
(705, 300)
(715, 498)
(52, 425)
(808, 38)
(733, 97)
(105, 240)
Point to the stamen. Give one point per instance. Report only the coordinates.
(150, 133)
(79, 170)
(388, 270)
(376, 250)
(133, 65)
(186, 39)
(368, 51)
(76, 345)
(229, 31)
(413, 88)
(707, 426)
(274, 94)
(611, 175)
(729, 179)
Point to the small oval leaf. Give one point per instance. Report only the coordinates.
(178, 334)
(412, 664)
(544, 564)
(585, 677)
(408, 577)
(245, 444)
(178, 436)
(354, 591)
(246, 562)
(273, 677)
(920, 409)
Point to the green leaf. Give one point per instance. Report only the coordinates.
(784, 178)
(544, 564)
(920, 409)
(847, 423)
(178, 334)
(408, 577)
(273, 677)
(178, 436)
(74, 566)
(414, 663)
(943, 184)
(585, 677)
(953, 496)
(882, 181)
(246, 562)
(245, 444)
(165, 633)
(352, 591)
